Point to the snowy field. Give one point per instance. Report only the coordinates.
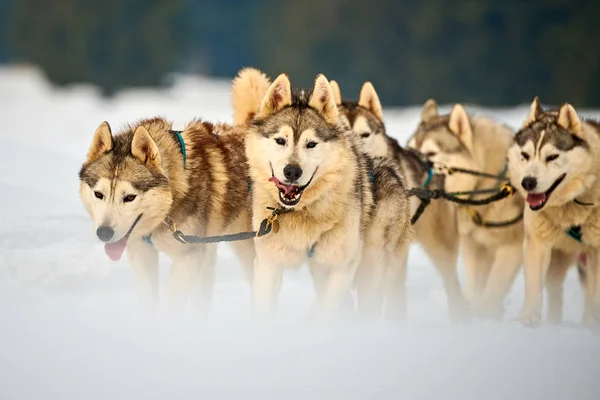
(69, 327)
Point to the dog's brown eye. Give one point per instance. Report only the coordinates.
(311, 145)
(129, 198)
(365, 135)
(280, 141)
(430, 154)
(551, 157)
(99, 195)
(525, 156)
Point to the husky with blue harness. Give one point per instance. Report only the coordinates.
(555, 164)
(435, 229)
(147, 185)
(471, 151)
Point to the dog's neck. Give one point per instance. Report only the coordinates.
(172, 150)
(589, 182)
(491, 142)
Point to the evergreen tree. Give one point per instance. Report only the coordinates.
(111, 43)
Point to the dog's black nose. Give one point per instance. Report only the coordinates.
(105, 233)
(529, 183)
(292, 172)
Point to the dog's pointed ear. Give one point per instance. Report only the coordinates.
(460, 125)
(429, 111)
(337, 93)
(568, 119)
(101, 143)
(412, 142)
(534, 112)
(144, 148)
(368, 99)
(322, 100)
(278, 96)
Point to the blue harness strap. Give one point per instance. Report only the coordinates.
(372, 176)
(148, 239)
(575, 233)
(311, 251)
(429, 176)
(182, 144)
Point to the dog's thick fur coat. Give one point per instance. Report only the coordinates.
(132, 181)
(555, 163)
(491, 256)
(436, 229)
(348, 208)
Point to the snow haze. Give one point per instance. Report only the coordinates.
(70, 327)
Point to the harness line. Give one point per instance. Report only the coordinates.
(504, 191)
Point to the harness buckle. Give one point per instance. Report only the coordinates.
(177, 234)
(273, 221)
(168, 221)
(508, 188)
(179, 237)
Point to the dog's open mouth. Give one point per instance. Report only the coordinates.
(537, 201)
(290, 195)
(115, 250)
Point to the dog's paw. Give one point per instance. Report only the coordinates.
(591, 320)
(555, 319)
(530, 319)
(491, 312)
(460, 317)
(460, 312)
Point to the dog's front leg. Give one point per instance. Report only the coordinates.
(537, 259)
(144, 261)
(506, 265)
(592, 290)
(266, 284)
(476, 263)
(185, 271)
(336, 264)
(397, 264)
(335, 260)
(336, 283)
(560, 263)
(203, 285)
(369, 281)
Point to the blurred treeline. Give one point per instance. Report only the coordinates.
(475, 51)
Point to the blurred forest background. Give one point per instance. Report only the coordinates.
(487, 52)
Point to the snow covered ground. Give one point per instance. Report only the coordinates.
(68, 322)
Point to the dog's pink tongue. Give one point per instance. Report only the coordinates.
(535, 198)
(288, 189)
(115, 250)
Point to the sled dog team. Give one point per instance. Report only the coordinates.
(304, 176)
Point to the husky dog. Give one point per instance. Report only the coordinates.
(436, 229)
(491, 256)
(345, 207)
(555, 163)
(138, 182)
